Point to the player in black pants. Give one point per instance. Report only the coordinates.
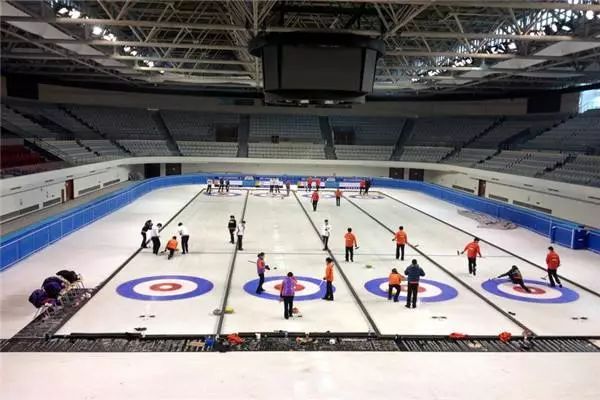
(155, 236)
(413, 275)
(147, 226)
(231, 226)
(515, 277)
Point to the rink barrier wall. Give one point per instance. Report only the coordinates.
(27, 241)
(563, 232)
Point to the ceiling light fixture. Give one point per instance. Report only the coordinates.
(97, 30)
(74, 14)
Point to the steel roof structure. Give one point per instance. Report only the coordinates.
(432, 47)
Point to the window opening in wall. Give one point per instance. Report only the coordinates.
(589, 100)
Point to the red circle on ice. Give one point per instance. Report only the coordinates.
(165, 287)
(299, 287)
(534, 290)
(421, 289)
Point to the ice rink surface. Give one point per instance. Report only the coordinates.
(178, 296)
(95, 251)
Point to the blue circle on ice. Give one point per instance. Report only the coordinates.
(250, 288)
(447, 292)
(268, 194)
(322, 195)
(202, 286)
(367, 197)
(215, 192)
(566, 295)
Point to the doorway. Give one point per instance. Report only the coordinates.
(397, 173)
(69, 192)
(173, 169)
(416, 174)
(481, 188)
(151, 170)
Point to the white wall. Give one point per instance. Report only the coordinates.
(119, 174)
(26, 191)
(456, 180)
(585, 212)
(286, 168)
(563, 200)
(574, 202)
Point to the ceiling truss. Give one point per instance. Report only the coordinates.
(203, 44)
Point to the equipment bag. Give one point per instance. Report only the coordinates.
(53, 286)
(38, 297)
(70, 276)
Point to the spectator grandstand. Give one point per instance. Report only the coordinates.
(523, 162)
(119, 123)
(16, 155)
(465, 141)
(424, 153)
(286, 128)
(448, 132)
(22, 126)
(104, 148)
(147, 147)
(578, 134)
(513, 126)
(286, 150)
(582, 170)
(208, 149)
(196, 126)
(469, 157)
(370, 130)
(53, 116)
(69, 150)
(357, 152)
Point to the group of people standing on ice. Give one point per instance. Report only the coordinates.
(221, 184)
(412, 273)
(514, 274)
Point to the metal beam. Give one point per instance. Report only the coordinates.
(241, 75)
(522, 5)
(127, 22)
(543, 5)
(406, 20)
(172, 25)
(405, 53)
(65, 56)
(467, 35)
(37, 56)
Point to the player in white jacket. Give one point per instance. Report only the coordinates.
(325, 233)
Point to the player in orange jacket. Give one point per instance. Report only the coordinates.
(329, 279)
(553, 262)
(351, 244)
(338, 196)
(315, 199)
(401, 239)
(309, 182)
(172, 247)
(473, 251)
(394, 281)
